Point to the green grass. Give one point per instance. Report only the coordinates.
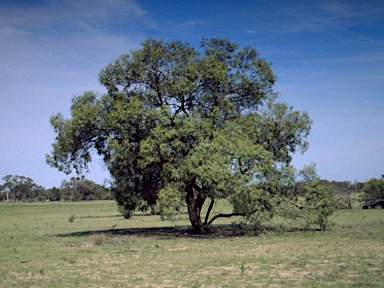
(40, 247)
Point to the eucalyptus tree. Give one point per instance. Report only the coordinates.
(180, 124)
(20, 188)
(79, 189)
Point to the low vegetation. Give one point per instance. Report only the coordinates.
(15, 188)
(23, 189)
(40, 247)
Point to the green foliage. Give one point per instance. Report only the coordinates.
(181, 124)
(54, 194)
(374, 188)
(320, 204)
(169, 201)
(126, 210)
(345, 193)
(374, 193)
(79, 189)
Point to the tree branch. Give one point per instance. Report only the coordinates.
(228, 215)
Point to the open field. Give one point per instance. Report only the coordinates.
(40, 247)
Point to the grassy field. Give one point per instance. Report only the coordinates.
(40, 247)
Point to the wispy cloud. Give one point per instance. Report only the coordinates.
(56, 12)
(51, 51)
(65, 33)
(9, 31)
(321, 15)
(250, 31)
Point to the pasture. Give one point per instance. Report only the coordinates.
(87, 244)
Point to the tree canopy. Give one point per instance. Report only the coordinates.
(81, 189)
(189, 125)
(20, 188)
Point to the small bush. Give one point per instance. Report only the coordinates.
(99, 240)
(71, 218)
(126, 212)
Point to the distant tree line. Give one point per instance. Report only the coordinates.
(17, 188)
(348, 195)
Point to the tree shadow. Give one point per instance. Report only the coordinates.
(119, 215)
(220, 231)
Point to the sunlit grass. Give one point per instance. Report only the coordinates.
(40, 248)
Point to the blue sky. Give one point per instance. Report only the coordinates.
(328, 56)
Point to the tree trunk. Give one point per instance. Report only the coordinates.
(195, 203)
(153, 209)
